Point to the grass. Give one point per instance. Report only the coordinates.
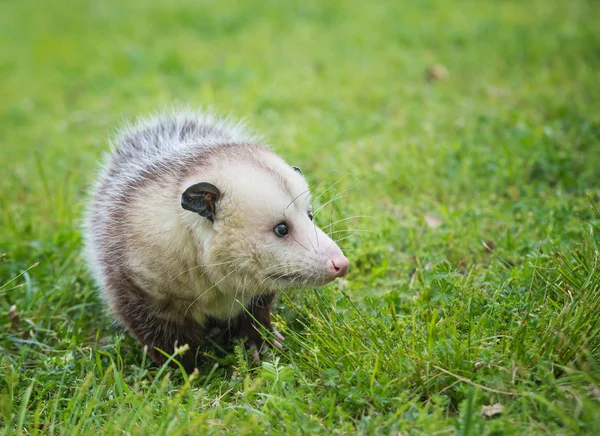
(475, 276)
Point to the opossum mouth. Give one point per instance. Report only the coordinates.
(297, 278)
(293, 276)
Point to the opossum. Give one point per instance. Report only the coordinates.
(193, 224)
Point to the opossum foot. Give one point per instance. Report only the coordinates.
(279, 339)
(214, 332)
(253, 351)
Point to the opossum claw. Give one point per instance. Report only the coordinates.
(214, 332)
(265, 349)
(278, 336)
(253, 352)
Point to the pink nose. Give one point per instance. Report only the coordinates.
(338, 266)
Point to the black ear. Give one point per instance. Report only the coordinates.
(297, 169)
(201, 198)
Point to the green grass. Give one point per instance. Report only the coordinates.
(430, 326)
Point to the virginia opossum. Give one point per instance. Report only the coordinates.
(191, 222)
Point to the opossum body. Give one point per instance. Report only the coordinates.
(192, 222)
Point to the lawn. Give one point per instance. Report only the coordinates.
(455, 150)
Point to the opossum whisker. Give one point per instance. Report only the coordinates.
(317, 185)
(308, 193)
(275, 274)
(253, 292)
(311, 244)
(295, 198)
(209, 289)
(292, 236)
(349, 174)
(298, 242)
(338, 195)
(202, 265)
(351, 230)
(285, 267)
(337, 182)
(304, 276)
(332, 242)
(167, 266)
(281, 276)
(346, 219)
(322, 193)
(333, 185)
(292, 280)
(286, 264)
(330, 201)
(307, 279)
(276, 269)
(345, 237)
(330, 222)
(237, 288)
(282, 269)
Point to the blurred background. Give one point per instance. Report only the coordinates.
(467, 132)
(406, 93)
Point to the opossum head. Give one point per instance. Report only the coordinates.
(251, 215)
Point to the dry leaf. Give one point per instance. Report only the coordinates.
(436, 72)
(489, 246)
(493, 410)
(12, 314)
(433, 221)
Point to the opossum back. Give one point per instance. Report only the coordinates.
(181, 132)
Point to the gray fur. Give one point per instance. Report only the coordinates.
(159, 146)
(169, 274)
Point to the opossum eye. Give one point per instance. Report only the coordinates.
(281, 230)
(310, 216)
(297, 169)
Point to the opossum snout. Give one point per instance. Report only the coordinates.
(337, 265)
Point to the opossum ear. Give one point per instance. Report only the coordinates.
(201, 198)
(297, 169)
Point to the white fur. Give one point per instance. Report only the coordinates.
(207, 269)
